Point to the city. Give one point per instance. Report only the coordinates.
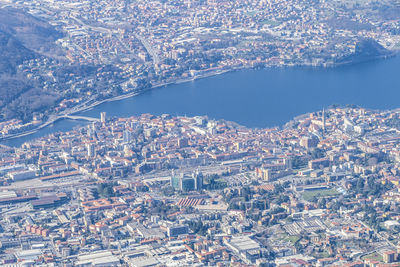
(108, 50)
(192, 191)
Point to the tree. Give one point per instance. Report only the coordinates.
(360, 185)
(105, 190)
(317, 153)
(279, 189)
(168, 191)
(282, 199)
(322, 203)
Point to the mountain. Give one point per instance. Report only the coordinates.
(33, 33)
(23, 37)
(13, 53)
(366, 49)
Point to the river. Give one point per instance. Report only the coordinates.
(259, 98)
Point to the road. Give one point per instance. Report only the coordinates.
(152, 52)
(393, 246)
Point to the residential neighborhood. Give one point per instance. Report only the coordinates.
(193, 191)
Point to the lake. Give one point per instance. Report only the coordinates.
(259, 98)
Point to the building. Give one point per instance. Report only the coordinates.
(389, 256)
(391, 224)
(318, 163)
(199, 180)
(91, 150)
(98, 259)
(127, 136)
(103, 117)
(150, 132)
(48, 201)
(26, 255)
(187, 183)
(183, 142)
(176, 230)
(247, 248)
(309, 142)
(6, 169)
(22, 175)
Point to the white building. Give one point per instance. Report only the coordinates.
(98, 259)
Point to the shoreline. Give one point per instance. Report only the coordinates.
(178, 81)
(112, 99)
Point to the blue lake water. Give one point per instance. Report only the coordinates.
(259, 98)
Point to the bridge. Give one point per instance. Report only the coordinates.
(81, 118)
